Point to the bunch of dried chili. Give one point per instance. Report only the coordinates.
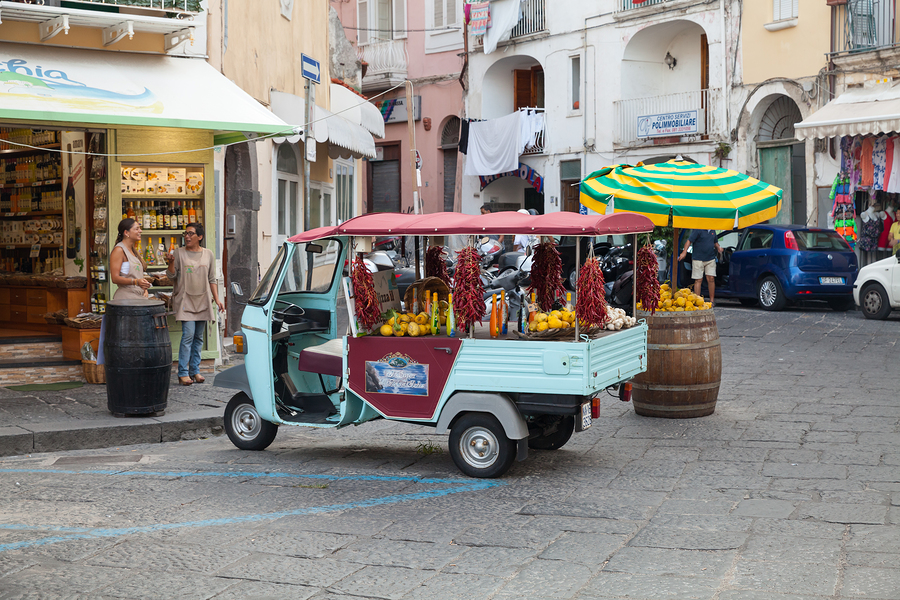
(468, 289)
(368, 312)
(590, 307)
(647, 279)
(546, 275)
(436, 265)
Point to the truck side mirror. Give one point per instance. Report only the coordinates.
(236, 289)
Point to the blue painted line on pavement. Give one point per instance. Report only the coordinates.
(75, 533)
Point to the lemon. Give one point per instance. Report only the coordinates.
(679, 309)
(667, 303)
(414, 330)
(680, 302)
(421, 318)
(405, 319)
(556, 313)
(386, 330)
(554, 323)
(541, 317)
(391, 321)
(542, 326)
(665, 287)
(400, 333)
(404, 326)
(566, 324)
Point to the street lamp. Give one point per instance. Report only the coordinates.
(670, 61)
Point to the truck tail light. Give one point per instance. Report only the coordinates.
(595, 408)
(239, 346)
(789, 241)
(625, 392)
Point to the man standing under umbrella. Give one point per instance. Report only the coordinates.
(703, 259)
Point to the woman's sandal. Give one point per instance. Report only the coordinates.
(198, 378)
(185, 380)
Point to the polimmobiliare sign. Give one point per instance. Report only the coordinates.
(687, 122)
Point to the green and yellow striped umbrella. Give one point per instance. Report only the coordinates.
(696, 196)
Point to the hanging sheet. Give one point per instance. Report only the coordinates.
(494, 145)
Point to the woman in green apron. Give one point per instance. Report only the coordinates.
(193, 268)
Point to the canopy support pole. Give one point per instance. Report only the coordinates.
(675, 252)
(577, 264)
(634, 276)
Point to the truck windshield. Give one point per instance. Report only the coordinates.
(264, 289)
(312, 267)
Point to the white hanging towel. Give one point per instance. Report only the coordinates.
(505, 14)
(494, 145)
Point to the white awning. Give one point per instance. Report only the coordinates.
(92, 87)
(345, 139)
(356, 109)
(859, 111)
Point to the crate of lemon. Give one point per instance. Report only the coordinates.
(683, 300)
(411, 324)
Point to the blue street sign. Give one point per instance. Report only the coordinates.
(309, 68)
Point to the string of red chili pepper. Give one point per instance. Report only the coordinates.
(365, 300)
(435, 265)
(546, 275)
(590, 307)
(468, 289)
(647, 279)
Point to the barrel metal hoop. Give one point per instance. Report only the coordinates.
(697, 346)
(677, 388)
(682, 408)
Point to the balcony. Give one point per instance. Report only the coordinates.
(864, 25)
(624, 5)
(534, 20)
(387, 64)
(176, 7)
(538, 146)
(705, 102)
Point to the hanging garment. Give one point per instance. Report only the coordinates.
(855, 153)
(886, 222)
(464, 136)
(505, 14)
(869, 232)
(846, 156)
(494, 145)
(480, 15)
(889, 161)
(866, 168)
(879, 160)
(893, 185)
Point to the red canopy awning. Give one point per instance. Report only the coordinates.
(448, 223)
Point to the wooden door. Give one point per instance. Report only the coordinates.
(775, 169)
(570, 195)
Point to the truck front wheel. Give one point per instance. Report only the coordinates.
(479, 446)
(245, 428)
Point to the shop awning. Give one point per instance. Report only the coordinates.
(91, 87)
(859, 111)
(356, 109)
(344, 138)
(448, 223)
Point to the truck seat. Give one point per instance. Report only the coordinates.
(324, 359)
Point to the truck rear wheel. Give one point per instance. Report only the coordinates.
(245, 428)
(479, 446)
(565, 426)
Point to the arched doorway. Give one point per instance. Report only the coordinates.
(782, 159)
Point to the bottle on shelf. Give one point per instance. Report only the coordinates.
(504, 312)
(145, 218)
(172, 217)
(435, 315)
(199, 212)
(192, 214)
(130, 212)
(495, 317)
(161, 253)
(161, 216)
(183, 219)
(153, 215)
(172, 246)
(149, 254)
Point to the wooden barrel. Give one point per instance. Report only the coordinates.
(138, 357)
(684, 366)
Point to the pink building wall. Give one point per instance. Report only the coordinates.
(435, 78)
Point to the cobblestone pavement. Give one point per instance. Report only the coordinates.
(790, 491)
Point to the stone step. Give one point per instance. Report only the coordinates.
(18, 348)
(40, 370)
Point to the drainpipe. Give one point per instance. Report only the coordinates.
(726, 89)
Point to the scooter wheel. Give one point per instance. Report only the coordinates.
(479, 446)
(245, 428)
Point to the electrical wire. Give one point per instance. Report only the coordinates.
(283, 133)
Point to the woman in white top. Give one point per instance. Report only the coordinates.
(130, 276)
(194, 270)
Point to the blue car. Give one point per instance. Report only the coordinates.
(776, 264)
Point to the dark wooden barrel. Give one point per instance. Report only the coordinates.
(138, 357)
(684, 366)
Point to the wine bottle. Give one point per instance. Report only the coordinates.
(183, 219)
(149, 253)
(146, 217)
(451, 317)
(495, 317)
(161, 252)
(161, 216)
(199, 212)
(173, 218)
(504, 312)
(71, 250)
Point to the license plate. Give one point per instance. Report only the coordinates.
(585, 416)
(831, 280)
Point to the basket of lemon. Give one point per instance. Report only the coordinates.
(413, 325)
(556, 324)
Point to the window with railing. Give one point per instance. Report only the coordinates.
(623, 5)
(534, 19)
(864, 25)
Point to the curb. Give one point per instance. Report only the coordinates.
(102, 433)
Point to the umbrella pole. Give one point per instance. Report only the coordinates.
(577, 266)
(675, 252)
(634, 276)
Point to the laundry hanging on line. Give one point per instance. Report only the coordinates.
(479, 17)
(493, 145)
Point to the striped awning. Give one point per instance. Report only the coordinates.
(696, 196)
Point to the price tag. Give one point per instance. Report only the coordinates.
(35, 251)
(10, 247)
(22, 214)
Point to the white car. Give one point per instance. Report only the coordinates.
(877, 289)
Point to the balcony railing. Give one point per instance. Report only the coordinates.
(169, 6)
(865, 25)
(388, 63)
(628, 111)
(534, 19)
(623, 5)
